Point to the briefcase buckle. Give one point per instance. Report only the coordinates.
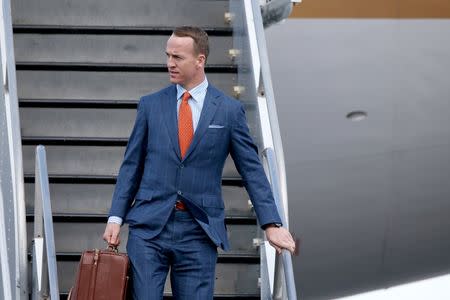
(112, 248)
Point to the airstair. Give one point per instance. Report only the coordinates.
(81, 68)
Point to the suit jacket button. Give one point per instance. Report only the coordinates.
(179, 193)
(181, 166)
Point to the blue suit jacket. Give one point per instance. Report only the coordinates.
(153, 175)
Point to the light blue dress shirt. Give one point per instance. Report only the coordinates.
(198, 94)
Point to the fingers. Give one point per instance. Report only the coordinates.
(280, 238)
(114, 240)
(111, 235)
(278, 249)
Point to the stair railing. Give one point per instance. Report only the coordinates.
(11, 165)
(255, 89)
(6, 288)
(284, 288)
(45, 272)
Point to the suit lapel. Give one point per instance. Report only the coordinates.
(170, 109)
(212, 101)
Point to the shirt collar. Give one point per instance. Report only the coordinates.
(195, 92)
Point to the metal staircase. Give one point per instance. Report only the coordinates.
(81, 67)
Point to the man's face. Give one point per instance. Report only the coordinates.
(184, 65)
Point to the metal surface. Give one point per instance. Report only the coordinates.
(103, 49)
(97, 85)
(137, 13)
(11, 153)
(95, 198)
(249, 39)
(60, 64)
(75, 237)
(43, 229)
(39, 275)
(267, 90)
(285, 265)
(6, 208)
(266, 293)
(91, 161)
(374, 209)
(6, 289)
(232, 280)
(274, 11)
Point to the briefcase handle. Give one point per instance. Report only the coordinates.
(112, 248)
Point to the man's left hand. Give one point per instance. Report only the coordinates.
(280, 238)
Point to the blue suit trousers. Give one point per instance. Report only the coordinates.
(183, 248)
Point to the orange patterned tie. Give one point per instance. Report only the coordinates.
(185, 125)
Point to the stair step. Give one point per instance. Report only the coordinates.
(223, 257)
(85, 85)
(112, 67)
(73, 141)
(231, 278)
(87, 160)
(78, 103)
(63, 296)
(128, 50)
(113, 30)
(96, 199)
(120, 13)
(75, 237)
(102, 218)
(73, 122)
(100, 125)
(81, 68)
(107, 179)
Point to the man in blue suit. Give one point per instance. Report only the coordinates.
(169, 185)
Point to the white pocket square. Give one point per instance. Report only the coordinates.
(215, 126)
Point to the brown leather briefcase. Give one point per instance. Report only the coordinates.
(102, 275)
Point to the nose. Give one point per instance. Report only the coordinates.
(170, 62)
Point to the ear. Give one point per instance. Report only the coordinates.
(201, 60)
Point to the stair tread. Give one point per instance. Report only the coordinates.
(72, 56)
(224, 257)
(112, 67)
(110, 50)
(94, 218)
(77, 103)
(168, 296)
(75, 236)
(98, 161)
(105, 29)
(29, 177)
(231, 278)
(88, 198)
(96, 85)
(119, 13)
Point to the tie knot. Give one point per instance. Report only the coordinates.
(186, 96)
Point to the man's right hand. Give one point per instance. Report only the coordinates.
(111, 235)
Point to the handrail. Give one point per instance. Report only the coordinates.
(6, 290)
(12, 152)
(266, 90)
(249, 23)
(44, 267)
(269, 154)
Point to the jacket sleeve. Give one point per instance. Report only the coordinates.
(245, 156)
(130, 172)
